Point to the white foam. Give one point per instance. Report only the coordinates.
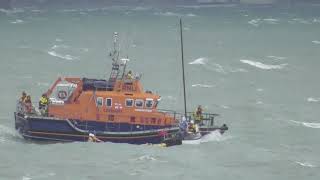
(213, 136)
(311, 125)
(174, 14)
(146, 158)
(260, 90)
(316, 42)
(62, 46)
(167, 14)
(202, 85)
(139, 8)
(238, 70)
(271, 21)
(277, 57)
(201, 60)
(307, 124)
(6, 132)
(316, 20)
(59, 40)
(11, 11)
(259, 102)
(305, 164)
(26, 178)
(66, 57)
(191, 15)
(262, 65)
(255, 22)
(225, 107)
(311, 99)
(37, 11)
(17, 21)
(300, 20)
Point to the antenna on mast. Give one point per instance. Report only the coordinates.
(115, 61)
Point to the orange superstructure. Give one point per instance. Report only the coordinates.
(126, 102)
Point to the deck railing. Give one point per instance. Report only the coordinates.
(205, 119)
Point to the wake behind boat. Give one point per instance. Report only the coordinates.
(117, 109)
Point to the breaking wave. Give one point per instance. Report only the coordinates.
(262, 65)
(146, 158)
(308, 124)
(305, 164)
(17, 21)
(316, 42)
(170, 14)
(66, 57)
(202, 85)
(201, 60)
(300, 20)
(213, 136)
(311, 99)
(12, 11)
(62, 51)
(7, 133)
(276, 57)
(258, 21)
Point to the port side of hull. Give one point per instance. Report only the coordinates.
(50, 129)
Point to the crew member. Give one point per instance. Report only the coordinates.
(43, 103)
(23, 97)
(192, 127)
(28, 104)
(93, 138)
(129, 75)
(199, 116)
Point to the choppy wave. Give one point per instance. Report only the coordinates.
(307, 124)
(66, 57)
(276, 57)
(225, 106)
(62, 51)
(311, 99)
(305, 164)
(170, 14)
(258, 21)
(300, 21)
(316, 42)
(262, 65)
(6, 133)
(146, 158)
(38, 176)
(59, 40)
(17, 21)
(202, 85)
(12, 11)
(201, 60)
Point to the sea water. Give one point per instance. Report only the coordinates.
(257, 67)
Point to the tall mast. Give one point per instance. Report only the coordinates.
(183, 76)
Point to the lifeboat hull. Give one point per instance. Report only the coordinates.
(53, 129)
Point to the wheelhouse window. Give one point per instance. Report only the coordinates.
(129, 102)
(149, 103)
(139, 103)
(109, 102)
(99, 101)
